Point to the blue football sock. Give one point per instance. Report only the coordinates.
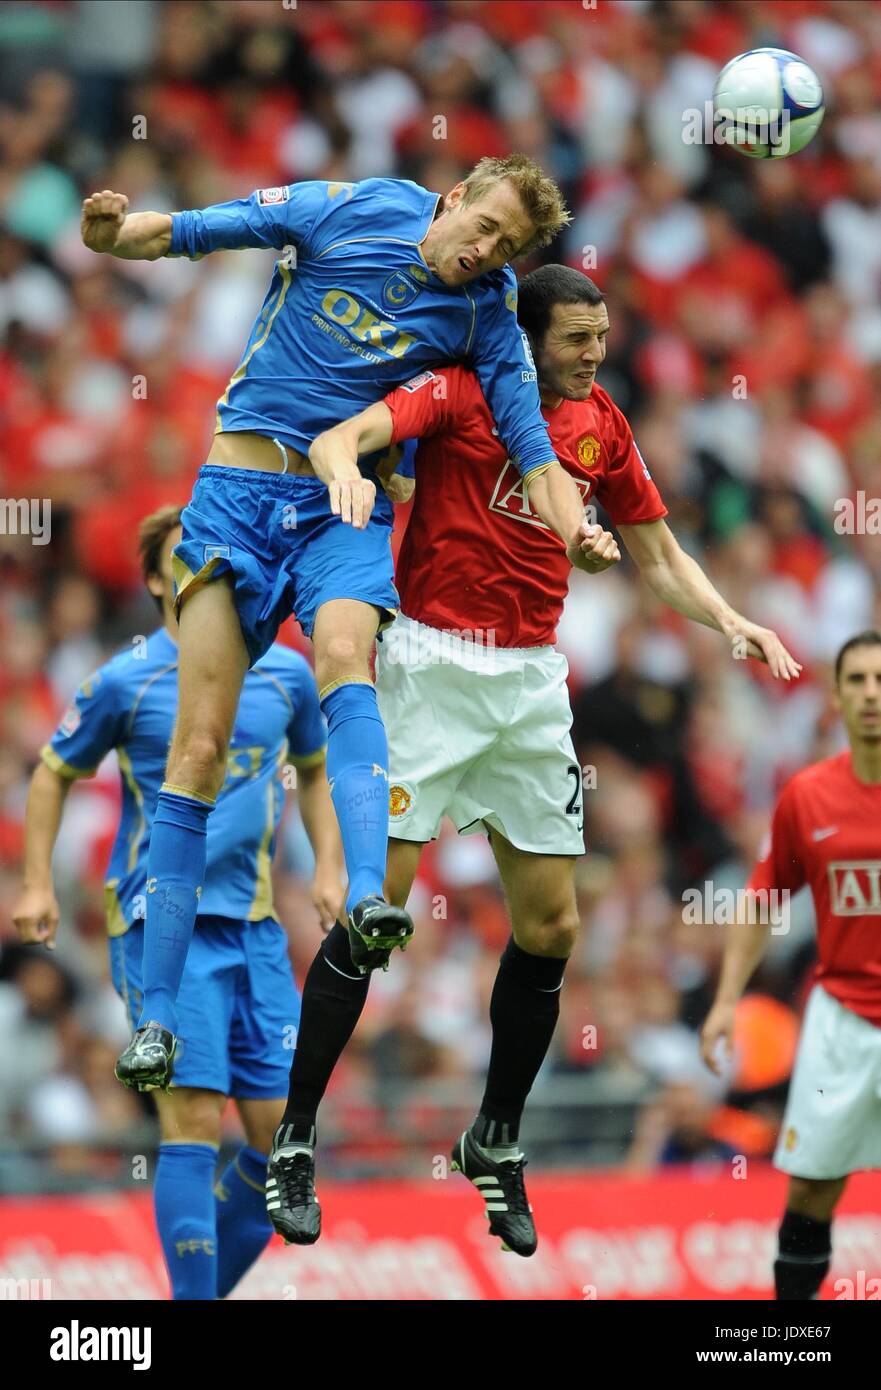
(184, 1203)
(357, 768)
(175, 869)
(243, 1228)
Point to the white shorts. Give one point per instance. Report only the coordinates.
(832, 1124)
(480, 734)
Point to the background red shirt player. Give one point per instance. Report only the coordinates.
(826, 833)
(479, 730)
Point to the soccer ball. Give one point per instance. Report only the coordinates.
(767, 103)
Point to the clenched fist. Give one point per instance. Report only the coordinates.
(593, 549)
(102, 219)
(35, 915)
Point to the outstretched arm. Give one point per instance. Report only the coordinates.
(108, 227)
(679, 580)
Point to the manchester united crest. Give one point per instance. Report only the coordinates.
(588, 450)
(400, 799)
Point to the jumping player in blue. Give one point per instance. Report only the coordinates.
(373, 282)
(238, 1004)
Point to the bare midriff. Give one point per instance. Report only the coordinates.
(241, 449)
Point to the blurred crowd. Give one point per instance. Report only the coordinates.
(745, 347)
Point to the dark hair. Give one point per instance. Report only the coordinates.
(870, 638)
(541, 289)
(153, 532)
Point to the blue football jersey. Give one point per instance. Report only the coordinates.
(130, 705)
(353, 311)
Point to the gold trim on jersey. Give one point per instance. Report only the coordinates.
(140, 828)
(116, 923)
(262, 904)
(63, 769)
(237, 375)
(536, 472)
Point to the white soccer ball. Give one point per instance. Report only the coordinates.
(767, 103)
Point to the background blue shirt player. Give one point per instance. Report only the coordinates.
(372, 282)
(238, 1004)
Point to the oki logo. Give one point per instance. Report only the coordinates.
(855, 887)
(511, 498)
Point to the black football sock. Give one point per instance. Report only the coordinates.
(804, 1252)
(333, 998)
(524, 1009)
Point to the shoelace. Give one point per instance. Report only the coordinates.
(295, 1179)
(514, 1188)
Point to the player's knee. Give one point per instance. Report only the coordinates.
(340, 655)
(554, 933)
(191, 1117)
(198, 757)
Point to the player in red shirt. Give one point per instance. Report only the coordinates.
(826, 833)
(474, 696)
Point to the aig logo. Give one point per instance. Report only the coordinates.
(854, 887)
(510, 496)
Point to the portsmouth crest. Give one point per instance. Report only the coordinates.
(399, 291)
(588, 450)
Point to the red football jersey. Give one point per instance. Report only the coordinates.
(827, 832)
(475, 556)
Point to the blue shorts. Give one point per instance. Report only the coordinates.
(238, 1006)
(287, 552)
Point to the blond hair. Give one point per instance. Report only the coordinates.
(541, 198)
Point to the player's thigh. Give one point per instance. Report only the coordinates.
(815, 1197)
(540, 889)
(441, 716)
(401, 865)
(212, 661)
(189, 1115)
(527, 786)
(831, 1124)
(343, 636)
(260, 1120)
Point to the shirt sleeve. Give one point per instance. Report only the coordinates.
(424, 405)
(780, 864)
(89, 728)
(271, 217)
(627, 491)
(506, 371)
(307, 731)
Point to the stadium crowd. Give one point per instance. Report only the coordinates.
(745, 348)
